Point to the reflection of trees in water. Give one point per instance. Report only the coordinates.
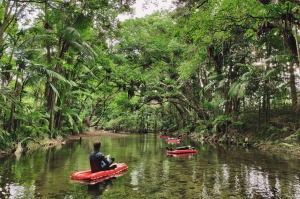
(249, 182)
(98, 188)
(230, 171)
(222, 171)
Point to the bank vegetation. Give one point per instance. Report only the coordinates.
(224, 71)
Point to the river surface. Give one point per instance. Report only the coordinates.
(214, 172)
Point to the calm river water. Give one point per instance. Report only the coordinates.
(214, 172)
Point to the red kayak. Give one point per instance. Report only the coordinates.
(164, 136)
(88, 175)
(173, 140)
(99, 180)
(184, 151)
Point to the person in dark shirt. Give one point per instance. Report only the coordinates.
(98, 161)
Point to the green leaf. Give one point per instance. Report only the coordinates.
(54, 89)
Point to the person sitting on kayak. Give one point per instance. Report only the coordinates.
(98, 161)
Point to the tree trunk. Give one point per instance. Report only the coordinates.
(259, 112)
(58, 116)
(5, 23)
(11, 11)
(291, 42)
(293, 88)
(12, 109)
(58, 69)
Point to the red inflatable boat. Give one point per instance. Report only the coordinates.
(181, 150)
(164, 136)
(173, 140)
(88, 175)
(184, 151)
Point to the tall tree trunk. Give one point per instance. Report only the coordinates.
(229, 101)
(58, 69)
(49, 94)
(11, 11)
(293, 88)
(259, 114)
(266, 97)
(12, 109)
(291, 42)
(5, 23)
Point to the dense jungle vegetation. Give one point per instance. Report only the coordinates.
(217, 69)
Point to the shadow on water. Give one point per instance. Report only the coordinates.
(97, 189)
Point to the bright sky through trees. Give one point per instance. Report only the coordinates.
(146, 7)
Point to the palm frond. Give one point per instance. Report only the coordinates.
(83, 48)
(89, 48)
(233, 89)
(71, 34)
(238, 89)
(7, 95)
(242, 89)
(54, 89)
(246, 76)
(56, 75)
(209, 86)
(41, 37)
(270, 73)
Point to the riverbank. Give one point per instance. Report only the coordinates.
(18, 148)
(288, 147)
(95, 133)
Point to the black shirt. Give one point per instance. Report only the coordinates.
(98, 162)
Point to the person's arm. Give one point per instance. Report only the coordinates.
(103, 158)
(106, 162)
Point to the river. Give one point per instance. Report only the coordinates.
(214, 172)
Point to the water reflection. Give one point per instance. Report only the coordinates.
(166, 168)
(249, 182)
(214, 172)
(17, 191)
(137, 175)
(187, 155)
(97, 189)
(296, 186)
(257, 182)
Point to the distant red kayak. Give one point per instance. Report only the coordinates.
(88, 175)
(173, 140)
(184, 151)
(164, 136)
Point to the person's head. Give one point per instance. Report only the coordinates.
(97, 145)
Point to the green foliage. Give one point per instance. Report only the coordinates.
(167, 71)
(202, 130)
(5, 139)
(219, 121)
(237, 89)
(238, 124)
